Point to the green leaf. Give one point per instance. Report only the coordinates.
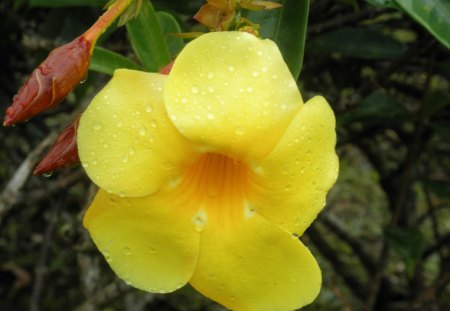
(287, 27)
(170, 25)
(364, 43)
(434, 15)
(408, 243)
(106, 61)
(435, 101)
(66, 3)
(378, 107)
(440, 189)
(147, 39)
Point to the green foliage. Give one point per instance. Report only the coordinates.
(431, 14)
(106, 61)
(170, 26)
(358, 42)
(287, 27)
(147, 39)
(408, 243)
(378, 107)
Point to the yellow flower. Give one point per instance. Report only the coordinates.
(208, 175)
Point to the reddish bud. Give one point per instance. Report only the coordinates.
(167, 68)
(49, 83)
(63, 153)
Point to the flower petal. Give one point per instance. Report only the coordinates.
(255, 266)
(232, 93)
(151, 247)
(126, 143)
(296, 176)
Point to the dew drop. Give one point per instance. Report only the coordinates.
(153, 124)
(210, 75)
(84, 164)
(199, 221)
(142, 131)
(152, 250)
(194, 90)
(132, 150)
(230, 68)
(119, 124)
(108, 257)
(97, 126)
(239, 131)
(48, 174)
(249, 89)
(125, 158)
(148, 108)
(210, 116)
(127, 251)
(259, 53)
(184, 100)
(255, 73)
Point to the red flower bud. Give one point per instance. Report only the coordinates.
(49, 83)
(63, 153)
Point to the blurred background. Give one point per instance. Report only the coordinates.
(383, 241)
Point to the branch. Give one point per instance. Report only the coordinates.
(339, 266)
(364, 257)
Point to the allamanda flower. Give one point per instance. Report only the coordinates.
(209, 174)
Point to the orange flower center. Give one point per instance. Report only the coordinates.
(215, 189)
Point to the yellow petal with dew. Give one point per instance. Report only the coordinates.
(255, 266)
(126, 143)
(149, 245)
(291, 183)
(232, 93)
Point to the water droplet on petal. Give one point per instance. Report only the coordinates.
(230, 68)
(184, 100)
(48, 174)
(97, 126)
(194, 90)
(127, 251)
(108, 257)
(153, 124)
(142, 131)
(148, 108)
(210, 116)
(255, 73)
(210, 75)
(84, 164)
(199, 221)
(239, 131)
(249, 89)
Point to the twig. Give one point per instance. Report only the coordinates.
(108, 293)
(352, 281)
(40, 269)
(20, 177)
(342, 20)
(365, 259)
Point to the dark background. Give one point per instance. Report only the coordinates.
(382, 241)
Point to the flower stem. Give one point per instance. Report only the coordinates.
(104, 21)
